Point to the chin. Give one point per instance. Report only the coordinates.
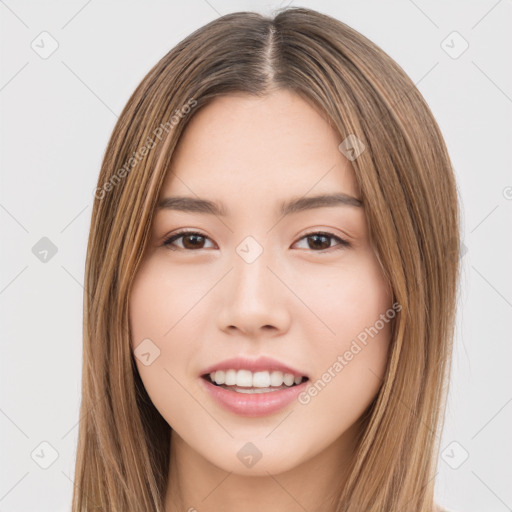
(255, 459)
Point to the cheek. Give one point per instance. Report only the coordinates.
(345, 299)
(158, 325)
(356, 305)
(160, 296)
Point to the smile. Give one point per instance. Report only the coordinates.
(254, 394)
(264, 381)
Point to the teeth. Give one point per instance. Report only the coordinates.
(248, 379)
(276, 378)
(261, 380)
(288, 379)
(230, 378)
(219, 377)
(244, 379)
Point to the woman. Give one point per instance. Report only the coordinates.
(271, 280)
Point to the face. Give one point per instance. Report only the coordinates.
(303, 290)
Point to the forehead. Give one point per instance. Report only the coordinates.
(277, 145)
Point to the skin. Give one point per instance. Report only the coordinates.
(299, 302)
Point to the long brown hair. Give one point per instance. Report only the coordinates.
(410, 199)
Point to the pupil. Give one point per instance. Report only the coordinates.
(316, 237)
(188, 237)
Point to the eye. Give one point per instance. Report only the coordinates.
(321, 240)
(196, 240)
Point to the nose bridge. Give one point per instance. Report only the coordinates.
(251, 271)
(254, 297)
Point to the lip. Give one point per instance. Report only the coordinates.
(254, 365)
(252, 405)
(257, 404)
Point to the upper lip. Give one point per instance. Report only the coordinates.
(254, 365)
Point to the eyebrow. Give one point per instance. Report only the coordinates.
(294, 205)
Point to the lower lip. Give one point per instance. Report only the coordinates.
(255, 404)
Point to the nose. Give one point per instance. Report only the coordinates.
(254, 298)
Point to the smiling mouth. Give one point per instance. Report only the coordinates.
(260, 382)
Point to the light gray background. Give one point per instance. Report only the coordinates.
(57, 115)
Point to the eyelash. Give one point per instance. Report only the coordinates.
(341, 245)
